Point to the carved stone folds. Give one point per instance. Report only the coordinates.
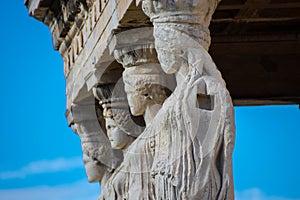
(170, 81)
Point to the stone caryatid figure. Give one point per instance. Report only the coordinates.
(192, 135)
(145, 97)
(121, 128)
(195, 127)
(147, 87)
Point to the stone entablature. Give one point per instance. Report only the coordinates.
(80, 30)
(239, 29)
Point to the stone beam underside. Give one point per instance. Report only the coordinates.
(239, 37)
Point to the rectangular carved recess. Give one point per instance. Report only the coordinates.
(205, 102)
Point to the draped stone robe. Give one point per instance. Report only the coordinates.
(186, 152)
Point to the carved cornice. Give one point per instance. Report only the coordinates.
(70, 22)
(59, 15)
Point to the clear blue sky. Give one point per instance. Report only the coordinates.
(41, 156)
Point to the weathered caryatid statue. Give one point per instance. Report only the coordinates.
(195, 128)
(147, 87)
(185, 151)
(146, 84)
(121, 128)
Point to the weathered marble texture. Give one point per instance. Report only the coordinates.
(121, 129)
(147, 86)
(186, 148)
(195, 128)
(185, 151)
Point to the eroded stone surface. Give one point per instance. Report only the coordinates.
(170, 80)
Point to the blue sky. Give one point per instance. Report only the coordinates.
(41, 156)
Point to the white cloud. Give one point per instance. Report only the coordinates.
(256, 194)
(44, 166)
(75, 191)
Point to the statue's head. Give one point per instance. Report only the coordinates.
(94, 169)
(145, 81)
(198, 12)
(178, 27)
(171, 51)
(117, 137)
(146, 85)
(121, 127)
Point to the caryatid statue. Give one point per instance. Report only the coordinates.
(147, 87)
(121, 127)
(195, 128)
